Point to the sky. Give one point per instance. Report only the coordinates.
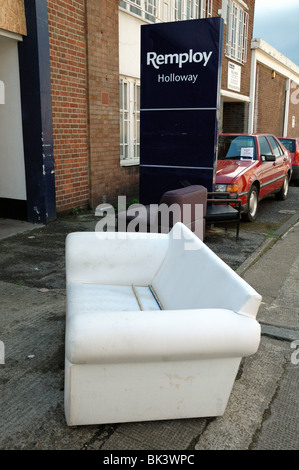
(277, 23)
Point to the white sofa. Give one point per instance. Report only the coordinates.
(156, 327)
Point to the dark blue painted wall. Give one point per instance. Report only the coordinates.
(180, 99)
(35, 78)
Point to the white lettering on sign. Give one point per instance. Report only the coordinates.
(159, 59)
(177, 78)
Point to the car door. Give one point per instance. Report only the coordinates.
(267, 170)
(279, 164)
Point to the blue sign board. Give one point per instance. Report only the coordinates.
(180, 98)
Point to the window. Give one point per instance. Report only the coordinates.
(288, 144)
(234, 148)
(171, 10)
(237, 32)
(146, 9)
(151, 10)
(275, 146)
(129, 93)
(206, 8)
(192, 9)
(265, 148)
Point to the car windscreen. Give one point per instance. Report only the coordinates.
(289, 144)
(232, 147)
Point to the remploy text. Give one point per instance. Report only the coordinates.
(162, 59)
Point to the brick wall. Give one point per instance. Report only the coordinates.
(270, 102)
(107, 178)
(69, 106)
(83, 39)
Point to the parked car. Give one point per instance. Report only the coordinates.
(251, 167)
(292, 145)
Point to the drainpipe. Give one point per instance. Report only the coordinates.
(286, 107)
(252, 91)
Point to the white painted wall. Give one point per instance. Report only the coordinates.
(12, 167)
(129, 45)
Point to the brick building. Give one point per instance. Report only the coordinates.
(69, 95)
(274, 80)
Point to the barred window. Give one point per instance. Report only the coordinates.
(237, 32)
(171, 10)
(206, 7)
(129, 93)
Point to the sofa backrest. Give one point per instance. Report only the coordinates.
(192, 276)
(114, 258)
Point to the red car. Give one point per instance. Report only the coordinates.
(292, 145)
(251, 167)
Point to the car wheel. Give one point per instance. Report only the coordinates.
(252, 205)
(284, 190)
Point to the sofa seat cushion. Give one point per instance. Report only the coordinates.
(86, 298)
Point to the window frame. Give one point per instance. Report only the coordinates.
(129, 121)
(237, 20)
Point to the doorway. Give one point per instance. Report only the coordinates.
(12, 166)
(235, 117)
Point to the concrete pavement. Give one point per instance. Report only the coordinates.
(263, 410)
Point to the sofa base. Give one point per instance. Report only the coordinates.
(115, 393)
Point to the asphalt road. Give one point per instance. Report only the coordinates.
(36, 258)
(32, 311)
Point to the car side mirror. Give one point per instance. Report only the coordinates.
(268, 158)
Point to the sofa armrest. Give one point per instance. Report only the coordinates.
(129, 336)
(114, 258)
